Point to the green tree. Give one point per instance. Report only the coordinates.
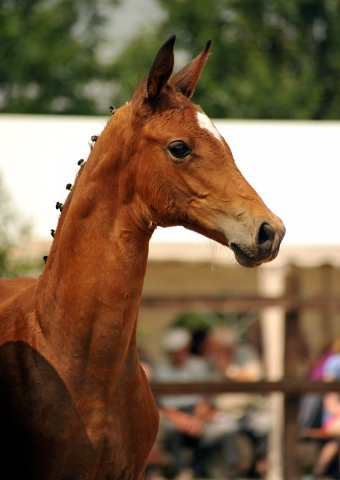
(13, 230)
(48, 55)
(275, 59)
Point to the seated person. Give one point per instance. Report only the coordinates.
(331, 413)
(240, 362)
(186, 419)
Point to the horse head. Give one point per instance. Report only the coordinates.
(182, 171)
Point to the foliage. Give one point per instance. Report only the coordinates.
(12, 231)
(275, 59)
(47, 55)
(270, 58)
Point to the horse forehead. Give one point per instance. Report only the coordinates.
(204, 122)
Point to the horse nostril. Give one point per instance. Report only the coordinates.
(266, 235)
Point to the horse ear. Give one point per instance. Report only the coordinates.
(161, 69)
(185, 80)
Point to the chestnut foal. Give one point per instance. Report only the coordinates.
(74, 402)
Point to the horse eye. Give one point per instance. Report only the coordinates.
(179, 149)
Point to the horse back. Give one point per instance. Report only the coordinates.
(10, 287)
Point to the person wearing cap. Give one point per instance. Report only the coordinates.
(179, 425)
(185, 419)
(231, 360)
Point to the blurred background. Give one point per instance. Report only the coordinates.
(272, 87)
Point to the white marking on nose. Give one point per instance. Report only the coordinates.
(206, 123)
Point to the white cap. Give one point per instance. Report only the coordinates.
(176, 339)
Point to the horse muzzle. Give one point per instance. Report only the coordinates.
(262, 249)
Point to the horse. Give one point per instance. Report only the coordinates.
(74, 402)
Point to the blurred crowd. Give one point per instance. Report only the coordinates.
(225, 435)
(221, 436)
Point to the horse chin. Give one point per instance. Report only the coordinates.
(242, 258)
(247, 258)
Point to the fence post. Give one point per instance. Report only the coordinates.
(272, 285)
(292, 365)
(327, 271)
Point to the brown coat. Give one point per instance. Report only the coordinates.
(74, 402)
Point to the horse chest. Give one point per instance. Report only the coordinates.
(125, 429)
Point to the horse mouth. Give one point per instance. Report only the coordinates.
(243, 258)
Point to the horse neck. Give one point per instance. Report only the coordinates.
(94, 275)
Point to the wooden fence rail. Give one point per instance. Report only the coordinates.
(290, 387)
(241, 303)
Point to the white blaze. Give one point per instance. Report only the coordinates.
(206, 123)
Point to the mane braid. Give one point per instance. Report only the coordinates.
(65, 206)
(71, 187)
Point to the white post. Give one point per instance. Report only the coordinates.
(271, 284)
